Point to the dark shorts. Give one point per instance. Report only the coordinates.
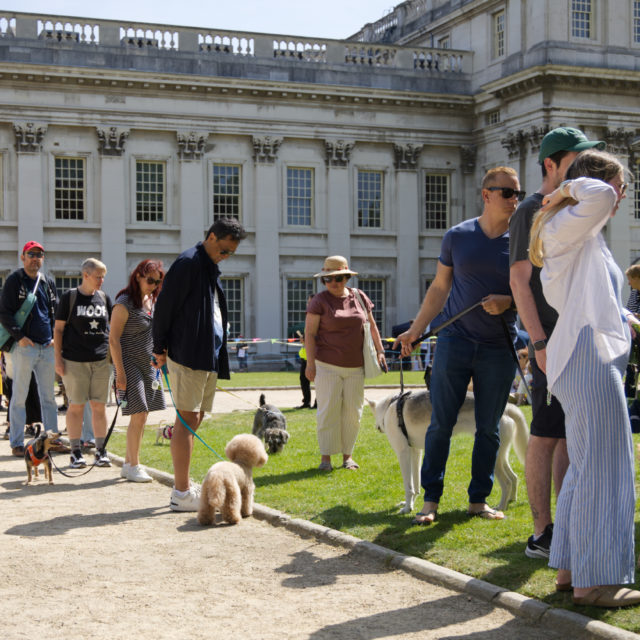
(548, 419)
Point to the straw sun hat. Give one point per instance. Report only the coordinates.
(335, 266)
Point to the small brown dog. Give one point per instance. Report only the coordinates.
(228, 486)
(36, 451)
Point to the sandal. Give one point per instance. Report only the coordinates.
(610, 596)
(325, 466)
(350, 464)
(487, 514)
(423, 519)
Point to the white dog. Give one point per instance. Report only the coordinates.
(417, 416)
(228, 486)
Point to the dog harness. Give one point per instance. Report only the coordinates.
(35, 461)
(400, 400)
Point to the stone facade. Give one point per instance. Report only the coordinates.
(124, 140)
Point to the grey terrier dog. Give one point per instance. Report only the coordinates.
(270, 424)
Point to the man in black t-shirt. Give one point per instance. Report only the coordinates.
(81, 339)
(547, 451)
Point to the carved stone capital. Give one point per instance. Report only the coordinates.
(406, 156)
(535, 137)
(111, 142)
(619, 141)
(337, 153)
(266, 149)
(514, 142)
(191, 146)
(29, 137)
(468, 155)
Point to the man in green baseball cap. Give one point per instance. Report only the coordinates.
(547, 451)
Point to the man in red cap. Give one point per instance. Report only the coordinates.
(32, 343)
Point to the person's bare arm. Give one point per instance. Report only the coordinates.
(58, 331)
(310, 332)
(119, 317)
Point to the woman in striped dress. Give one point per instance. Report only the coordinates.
(593, 536)
(131, 344)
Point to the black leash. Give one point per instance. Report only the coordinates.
(514, 353)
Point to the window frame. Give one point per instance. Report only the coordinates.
(378, 311)
(498, 36)
(425, 202)
(165, 175)
(240, 319)
(635, 23)
(221, 163)
(86, 199)
(636, 192)
(573, 26)
(311, 198)
(66, 276)
(381, 201)
(312, 290)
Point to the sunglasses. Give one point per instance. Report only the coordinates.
(508, 192)
(35, 254)
(623, 187)
(226, 252)
(326, 279)
(153, 282)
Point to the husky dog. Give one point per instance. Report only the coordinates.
(417, 417)
(270, 424)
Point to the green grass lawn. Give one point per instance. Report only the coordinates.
(364, 503)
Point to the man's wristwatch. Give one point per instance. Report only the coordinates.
(539, 345)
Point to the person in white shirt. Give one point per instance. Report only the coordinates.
(593, 537)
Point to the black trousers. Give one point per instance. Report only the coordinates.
(305, 385)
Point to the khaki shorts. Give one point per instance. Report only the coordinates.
(192, 389)
(84, 381)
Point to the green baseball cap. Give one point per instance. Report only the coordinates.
(566, 139)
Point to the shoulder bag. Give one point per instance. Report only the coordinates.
(21, 315)
(372, 367)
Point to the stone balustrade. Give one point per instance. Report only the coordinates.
(61, 30)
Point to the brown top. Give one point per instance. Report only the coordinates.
(340, 334)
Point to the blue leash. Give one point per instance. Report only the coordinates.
(165, 373)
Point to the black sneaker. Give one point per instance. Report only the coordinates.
(102, 460)
(541, 547)
(77, 461)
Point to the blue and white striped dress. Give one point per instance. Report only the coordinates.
(593, 534)
(136, 344)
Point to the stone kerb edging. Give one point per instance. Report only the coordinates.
(573, 624)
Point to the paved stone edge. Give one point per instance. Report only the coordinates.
(543, 614)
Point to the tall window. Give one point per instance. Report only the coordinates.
(581, 18)
(69, 188)
(636, 21)
(374, 288)
(226, 191)
(233, 293)
(498, 34)
(150, 191)
(299, 196)
(298, 291)
(436, 201)
(64, 283)
(444, 43)
(636, 193)
(370, 199)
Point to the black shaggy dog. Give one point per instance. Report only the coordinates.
(270, 424)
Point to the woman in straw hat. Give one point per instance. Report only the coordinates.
(334, 339)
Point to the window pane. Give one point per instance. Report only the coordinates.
(498, 34)
(370, 199)
(64, 283)
(636, 21)
(436, 201)
(581, 18)
(69, 188)
(226, 191)
(298, 291)
(150, 191)
(374, 288)
(636, 193)
(233, 293)
(299, 196)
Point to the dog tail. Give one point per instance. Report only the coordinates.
(521, 435)
(262, 400)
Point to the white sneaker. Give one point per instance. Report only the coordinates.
(124, 472)
(189, 502)
(138, 474)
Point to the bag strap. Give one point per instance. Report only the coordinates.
(359, 297)
(73, 295)
(37, 283)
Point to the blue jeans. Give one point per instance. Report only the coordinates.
(492, 369)
(40, 360)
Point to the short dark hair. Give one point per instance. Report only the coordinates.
(225, 228)
(557, 159)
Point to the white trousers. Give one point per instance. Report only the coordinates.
(340, 396)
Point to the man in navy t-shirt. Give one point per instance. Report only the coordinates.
(32, 343)
(473, 267)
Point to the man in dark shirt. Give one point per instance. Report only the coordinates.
(32, 343)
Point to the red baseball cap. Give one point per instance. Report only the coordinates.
(32, 244)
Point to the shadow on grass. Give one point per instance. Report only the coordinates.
(292, 476)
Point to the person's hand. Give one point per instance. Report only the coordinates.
(25, 342)
(554, 198)
(121, 380)
(382, 361)
(310, 371)
(541, 360)
(496, 303)
(634, 326)
(59, 366)
(405, 339)
(159, 360)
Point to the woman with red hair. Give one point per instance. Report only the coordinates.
(131, 344)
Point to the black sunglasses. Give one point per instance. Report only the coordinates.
(35, 254)
(326, 279)
(508, 192)
(152, 281)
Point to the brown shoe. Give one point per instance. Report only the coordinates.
(60, 447)
(609, 596)
(18, 452)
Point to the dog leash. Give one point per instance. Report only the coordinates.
(165, 373)
(514, 353)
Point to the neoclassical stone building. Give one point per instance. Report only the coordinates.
(125, 140)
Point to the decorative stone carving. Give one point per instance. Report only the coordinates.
(266, 149)
(619, 140)
(406, 156)
(29, 137)
(468, 154)
(535, 137)
(110, 142)
(191, 146)
(515, 143)
(337, 153)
